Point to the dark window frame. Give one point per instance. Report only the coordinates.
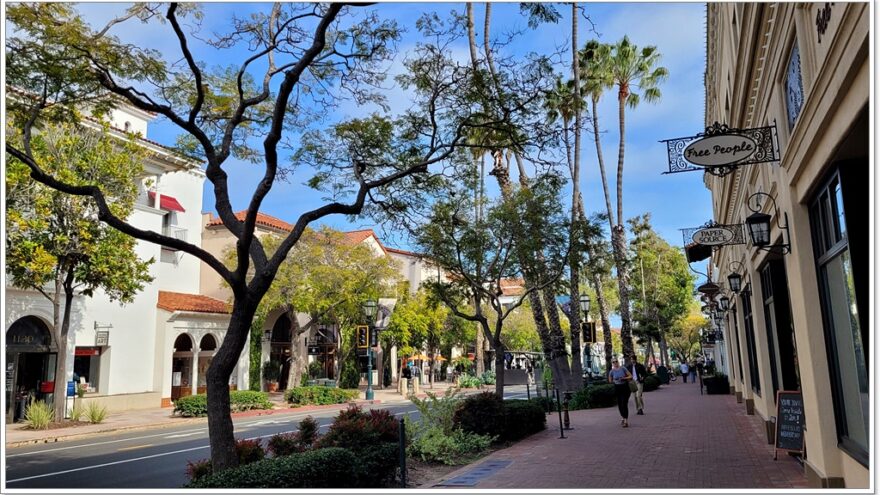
(751, 350)
(829, 243)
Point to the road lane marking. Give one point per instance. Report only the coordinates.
(181, 435)
(135, 447)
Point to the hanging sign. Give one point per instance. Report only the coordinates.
(314, 350)
(102, 338)
(713, 236)
(725, 149)
(722, 149)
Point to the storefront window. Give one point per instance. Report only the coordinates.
(845, 339)
(794, 86)
(86, 361)
(750, 340)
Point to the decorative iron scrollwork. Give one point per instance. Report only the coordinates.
(766, 150)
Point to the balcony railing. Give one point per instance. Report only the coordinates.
(175, 232)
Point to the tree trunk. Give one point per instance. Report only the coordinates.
(601, 159)
(499, 367)
(577, 370)
(298, 362)
(63, 282)
(606, 322)
(220, 427)
(479, 355)
(664, 350)
(618, 241)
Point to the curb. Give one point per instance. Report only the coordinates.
(176, 422)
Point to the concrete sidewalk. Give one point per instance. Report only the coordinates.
(16, 435)
(684, 440)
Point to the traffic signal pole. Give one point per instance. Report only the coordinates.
(369, 393)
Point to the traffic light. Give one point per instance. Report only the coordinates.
(374, 337)
(588, 331)
(362, 336)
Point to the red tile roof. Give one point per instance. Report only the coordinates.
(359, 236)
(401, 251)
(262, 219)
(178, 301)
(513, 287)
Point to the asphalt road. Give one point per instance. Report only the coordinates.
(150, 458)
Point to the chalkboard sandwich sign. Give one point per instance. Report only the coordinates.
(789, 422)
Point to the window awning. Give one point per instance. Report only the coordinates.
(168, 202)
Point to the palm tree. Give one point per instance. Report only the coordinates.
(629, 69)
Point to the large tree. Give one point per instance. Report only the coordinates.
(632, 71)
(298, 61)
(54, 239)
(479, 255)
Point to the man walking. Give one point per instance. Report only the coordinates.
(683, 367)
(639, 372)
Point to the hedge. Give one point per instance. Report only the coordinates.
(652, 382)
(239, 400)
(325, 468)
(318, 395)
(522, 418)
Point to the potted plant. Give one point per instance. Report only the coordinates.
(271, 373)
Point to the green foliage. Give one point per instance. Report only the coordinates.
(271, 371)
(488, 377)
(323, 468)
(239, 400)
(350, 378)
(469, 381)
(76, 413)
(597, 396)
(198, 469)
(481, 414)
(318, 395)
(95, 412)
(256, 351)
(431, 444)
(372, 435)
(652, 382)
(38, 415)
(522, 418)
(81, 390)
(545, 403)
(315, 370)
(295, 442)
(433, 437)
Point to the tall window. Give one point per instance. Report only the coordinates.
(794, 86)
(739, 356)
(750, 339)
(841, 269)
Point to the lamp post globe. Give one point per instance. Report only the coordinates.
(585, 303)
(724, 303)
(735, 281)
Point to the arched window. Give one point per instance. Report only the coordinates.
(183, 343)
(208, 343)
(281, 330)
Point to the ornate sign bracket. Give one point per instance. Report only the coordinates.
(722, 149)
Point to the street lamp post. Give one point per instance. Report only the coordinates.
(585, 310)
(370, 308)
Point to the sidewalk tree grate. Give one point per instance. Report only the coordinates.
(474, 476)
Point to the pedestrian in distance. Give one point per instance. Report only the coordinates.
(692, 369)
(620, 377)
(637, 385)
(683, 367)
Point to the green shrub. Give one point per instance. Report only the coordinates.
(81, 390)
(246, 400)
(432, 444)
(652, 382)
(437, 411)
(191, 406)
(488, 377)
(522, 418)
(376, 464)
(299, 441)
(546, 403)
(96, 413)
(482, 414)
(372, 436)
(600, 396)
(350, 378)
(469, 381)
(76, 413)
(239, 400)
(198, 469)
(315, 370)
(317, 395)
(324, 468)
(38, 415)
(249, 451)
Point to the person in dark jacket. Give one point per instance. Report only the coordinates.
(639, 372)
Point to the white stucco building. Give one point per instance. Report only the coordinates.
(127, 355)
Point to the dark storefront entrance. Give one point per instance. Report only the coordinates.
(30, 365)
(279, 349)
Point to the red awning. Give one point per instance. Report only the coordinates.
(168, 203)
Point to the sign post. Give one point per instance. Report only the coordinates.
(789, 422)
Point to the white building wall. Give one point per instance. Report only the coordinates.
(178, 271)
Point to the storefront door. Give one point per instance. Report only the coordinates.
(30, 365)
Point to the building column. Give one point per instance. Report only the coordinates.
(195, 371)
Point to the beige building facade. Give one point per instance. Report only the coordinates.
(800, 321)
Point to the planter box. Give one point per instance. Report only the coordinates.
(717, 385)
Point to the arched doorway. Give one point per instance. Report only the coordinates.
(181, 367)
(207, 348)
(280, 348)
(31, 356)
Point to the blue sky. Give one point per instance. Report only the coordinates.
(677, 29)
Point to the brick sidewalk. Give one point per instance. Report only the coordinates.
(684, 440)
